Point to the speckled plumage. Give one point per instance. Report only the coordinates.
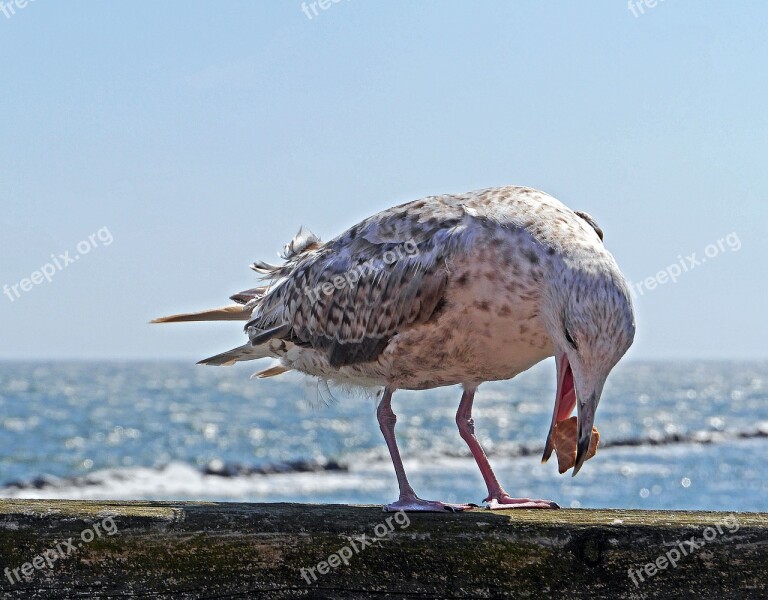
(461, 302)
(452, 289)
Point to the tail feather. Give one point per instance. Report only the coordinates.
(241, 353)
(271, 372)
(247, 296)
(272, 342)
(235, 312)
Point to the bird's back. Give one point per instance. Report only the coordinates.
(424, 293)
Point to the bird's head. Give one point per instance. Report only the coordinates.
(591, 324)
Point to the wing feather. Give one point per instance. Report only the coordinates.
(350, 296)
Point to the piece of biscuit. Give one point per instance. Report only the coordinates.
(564, 438)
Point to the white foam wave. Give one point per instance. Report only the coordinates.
(180, 481)
(648, 477)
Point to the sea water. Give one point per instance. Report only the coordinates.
(682, 435)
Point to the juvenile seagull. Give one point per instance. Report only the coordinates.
(452, 289)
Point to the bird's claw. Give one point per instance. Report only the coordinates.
(507, 502)
(416, 504)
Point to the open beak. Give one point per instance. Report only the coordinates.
(586, 418)
(565, 400)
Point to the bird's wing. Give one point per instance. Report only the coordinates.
(350, 296)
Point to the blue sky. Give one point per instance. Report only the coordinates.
(198, 136)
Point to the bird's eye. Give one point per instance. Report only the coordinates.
(570, 340)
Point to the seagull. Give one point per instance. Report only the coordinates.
(445, 290)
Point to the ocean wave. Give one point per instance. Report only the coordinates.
(315, 480)
(178, 481)
(214, 468)
(512, 449)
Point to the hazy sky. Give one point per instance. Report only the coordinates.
(169, 144)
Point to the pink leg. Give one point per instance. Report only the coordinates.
(408, 499)
(497, 497)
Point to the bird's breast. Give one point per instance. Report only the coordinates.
(489, 327)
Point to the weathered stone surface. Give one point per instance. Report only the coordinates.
(222, 550)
